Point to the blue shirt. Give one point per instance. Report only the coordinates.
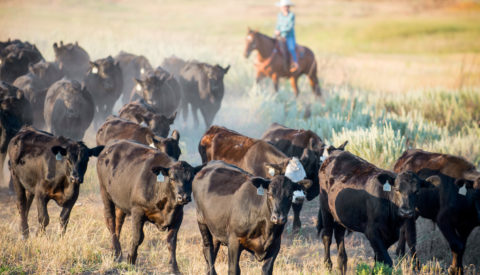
(286, 25)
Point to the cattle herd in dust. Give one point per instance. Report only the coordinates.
(244, 188)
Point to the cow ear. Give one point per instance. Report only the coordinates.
(225, 70)
(176, 135)
(273, 169)
(55, 46)
(312, 144)
(61, 43)
(159, 169)
(304, 184)
(171, 119)
(198, 168)
(93, 67)
(30, 68)
(462, 182)
(59, 149)
(383, 178)
(342, 147)
(435, 180)
(259, 181)
(94, 152)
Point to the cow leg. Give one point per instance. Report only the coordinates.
(411, 237)
(342, 254)
(327, 238)
(109, 214)
(208, 116)
(234, 251)
(119, 220)
(172, 242)
(293, 82)
(208, 248)
(400, 251)
(195, 116)
(297, 224)
(455, 243)
(267, 268)
(275, 82)
(138, 220)
(22, 206)
(381, 253)
(67, 209)
(42, 213)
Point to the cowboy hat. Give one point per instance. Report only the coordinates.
(284, 3)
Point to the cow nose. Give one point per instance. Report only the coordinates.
(183, 199)
(76, 180)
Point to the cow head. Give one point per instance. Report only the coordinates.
(70, 57)
(105, 70)
(47, 71)
(168, 146)
(250, 42)
(280, 192)
(178, 179)
(472, 193)
(293, 170)
(76, 156)
(402, 191)
(214, 82)
(160, 124)
(311, 160)
(151, 85)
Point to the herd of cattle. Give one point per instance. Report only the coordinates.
(244, 188)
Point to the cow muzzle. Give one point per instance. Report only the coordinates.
(183, 199)
(76, 180)
(406, 213)
(278, 219)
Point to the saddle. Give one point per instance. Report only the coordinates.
(281, 48)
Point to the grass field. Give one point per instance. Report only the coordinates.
(395, 74)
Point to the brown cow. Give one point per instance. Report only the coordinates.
(46, 167)
(358, 196)
(303, 144)
(119, 128)
(255, 156)
(145, 183)
(452, 166)
(141, 112)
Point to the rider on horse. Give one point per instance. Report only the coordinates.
(285, 30)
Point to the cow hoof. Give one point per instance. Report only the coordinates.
(452, 270)
(328, 264)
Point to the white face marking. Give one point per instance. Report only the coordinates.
(298, 196)
(94, 70)
(387, 187)
(138, 87)
(249, 37)
(160, 177)
(462, 191)
(295, 171)
(142, 71)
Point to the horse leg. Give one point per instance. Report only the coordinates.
(314, 84)
(293, 82)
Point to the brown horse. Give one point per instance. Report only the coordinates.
(270, 61)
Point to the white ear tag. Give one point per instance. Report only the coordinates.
(260, 191)
(322, 158)
(138, 87)
(387, 187)
(295, 171)
(160, 177)
(152, 145)
(462, 191)
(94, 70)
(58, 156)
(142, 71)
(298, 196)
(271, 171)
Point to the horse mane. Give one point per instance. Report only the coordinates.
(264, 36)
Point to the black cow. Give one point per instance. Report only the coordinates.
(243, 212)
(358, 196)
(72, 59)
(454, 205)
(133, 66)
(306, 146)
(15, 112)
(104, 81)
(141, 112)
(35, 84)
(160, 89)
(141, 181)
(119, 128)
(69, 109)
(173, 65)
(46, 168)
(202, 86)
(15, 57)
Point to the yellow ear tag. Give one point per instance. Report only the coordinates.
(387, 187)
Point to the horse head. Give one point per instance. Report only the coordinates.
(250, 42)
